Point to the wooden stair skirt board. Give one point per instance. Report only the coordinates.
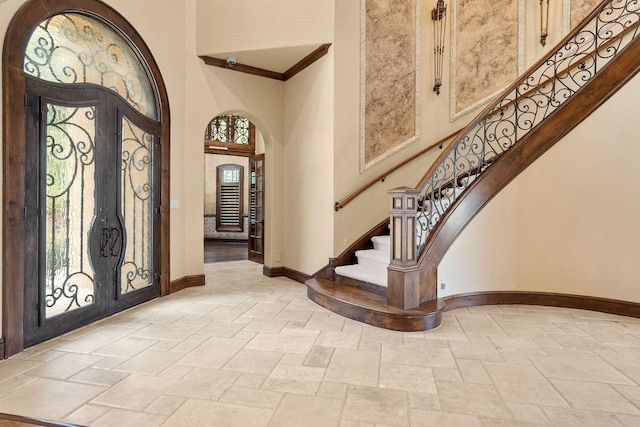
(372, 309)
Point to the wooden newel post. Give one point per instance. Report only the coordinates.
(403, 285)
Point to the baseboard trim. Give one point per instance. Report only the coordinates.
(272, 271)
(186, 282)
(2, 350)
(295, 275)
(603, 305)
(286, 272)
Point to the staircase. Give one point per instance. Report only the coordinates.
(372, 264)
(556, 94)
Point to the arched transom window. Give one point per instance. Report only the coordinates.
(230, 134)
(74, 48)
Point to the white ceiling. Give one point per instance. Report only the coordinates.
(275, 59)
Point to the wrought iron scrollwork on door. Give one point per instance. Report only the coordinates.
(110, 242)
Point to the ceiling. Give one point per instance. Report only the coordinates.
(275, 59)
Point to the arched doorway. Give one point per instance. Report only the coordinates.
(234, 202)
(86, 163)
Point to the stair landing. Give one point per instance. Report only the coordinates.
(372, 309)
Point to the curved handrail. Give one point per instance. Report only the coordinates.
(380, 178)
(537, 94)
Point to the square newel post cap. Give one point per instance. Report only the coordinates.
(409, 191)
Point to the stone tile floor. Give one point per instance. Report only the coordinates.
(247, 350)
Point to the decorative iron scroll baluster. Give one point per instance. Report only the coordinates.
(534, 97)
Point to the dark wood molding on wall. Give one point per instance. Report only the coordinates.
(285, 272)
(272, 271)
(307, 61)
(2, 353)
(187, 282)
(295, 69)
(603, 305)
(292, 274)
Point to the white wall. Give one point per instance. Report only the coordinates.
(570, 223)
(262, 25)
(309, 167)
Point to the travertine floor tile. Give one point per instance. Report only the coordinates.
(124, 418)
(282, 343)
(49, 399)
(594, 396)
(422, 418)
(472, 399)
(377, 406)
(254, 361)
(252, 397)
(355, 367)
(308, 411)
(135, 392)
(406, 377)
(205, 384)
(199, 413)
(523, 384)
(248, 350)
(594, 370)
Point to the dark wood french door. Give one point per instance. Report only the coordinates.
(92, 207)
(256, 208)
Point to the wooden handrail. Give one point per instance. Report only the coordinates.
(345, 201)
(494, 106)
(489, 111)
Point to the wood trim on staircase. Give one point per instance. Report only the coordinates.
(373, 309)
(380, 178)
(187, 282)
(515, 160)
(603, 305)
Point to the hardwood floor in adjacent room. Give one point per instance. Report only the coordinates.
(223, 251)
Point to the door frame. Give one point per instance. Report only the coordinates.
(252, 255)
(30, 15)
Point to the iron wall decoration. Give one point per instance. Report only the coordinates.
(544, 21)
(389, 78)
(538, 93)
(439, 18)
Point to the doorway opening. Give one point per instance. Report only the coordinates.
(86, 170)
(234, 191)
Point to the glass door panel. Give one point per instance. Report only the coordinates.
(136, 208)
(256, 209)
(69, 179)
